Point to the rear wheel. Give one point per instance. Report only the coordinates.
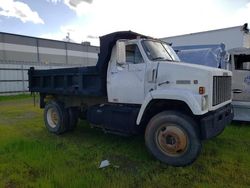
(172, 138)
(55, 117)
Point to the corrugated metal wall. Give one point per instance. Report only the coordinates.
(19, 53)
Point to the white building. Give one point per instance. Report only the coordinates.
(232, 37)
(18, 53)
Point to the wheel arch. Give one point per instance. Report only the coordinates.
(45, 98)
(156, 106)
(171, 99)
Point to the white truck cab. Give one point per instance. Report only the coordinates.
(144, 69)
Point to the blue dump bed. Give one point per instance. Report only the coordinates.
(67, 81)
(82, 81)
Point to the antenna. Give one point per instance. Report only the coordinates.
(68, 37)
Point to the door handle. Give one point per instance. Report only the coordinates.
(153, 75)
(237, 91)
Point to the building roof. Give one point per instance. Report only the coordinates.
(243, 28)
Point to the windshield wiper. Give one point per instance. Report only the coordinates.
(158, 58)
(161, 58)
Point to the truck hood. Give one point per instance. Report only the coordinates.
(187, 76)
(187, 66)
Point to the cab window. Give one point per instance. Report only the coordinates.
(133, 54)
(242, 62)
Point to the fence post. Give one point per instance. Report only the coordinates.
(23, 78)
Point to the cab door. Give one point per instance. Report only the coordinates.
(126, 80)
(241, 77)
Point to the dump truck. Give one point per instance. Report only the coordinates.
(139, 86)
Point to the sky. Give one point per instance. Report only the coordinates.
(86, 20)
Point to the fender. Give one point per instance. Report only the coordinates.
(192, 100)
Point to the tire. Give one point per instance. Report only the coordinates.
(73, 114)
(173, 138)
(55, 117)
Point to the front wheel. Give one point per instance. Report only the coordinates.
(173, 138)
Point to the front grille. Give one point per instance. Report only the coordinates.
(222, 87)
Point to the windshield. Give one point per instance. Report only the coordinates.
(157, 50)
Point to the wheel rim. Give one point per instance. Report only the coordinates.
(172, 140)
(52, 117)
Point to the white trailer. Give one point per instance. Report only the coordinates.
(237, 42)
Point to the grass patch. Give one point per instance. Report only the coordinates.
(13, 97)
(32, 157)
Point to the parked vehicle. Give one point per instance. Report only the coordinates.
(139, 86)
(237, 60)
(240, 66)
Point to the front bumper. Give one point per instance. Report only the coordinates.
(215, 122)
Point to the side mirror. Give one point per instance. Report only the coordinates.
(226, 57)
(120, 52)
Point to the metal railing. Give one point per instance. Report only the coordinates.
(13, 75)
